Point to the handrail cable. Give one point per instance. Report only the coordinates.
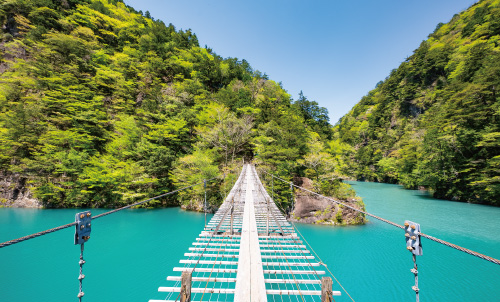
(213, 266)
(215, 230)
(281, 248)
(319, 258)
(459, 248)
(212, 236)
(261, 186)
(24, 238)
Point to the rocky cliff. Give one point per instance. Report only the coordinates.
(15, 192)
(312, 209)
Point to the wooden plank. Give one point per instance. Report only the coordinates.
(209, 234)
(294, 272)
(217, 239)
(285, 251)
(178, 301)
(211, 255)
(326, 289)
(198, 290)
(290, 263)
(253, 215)
(281, 245)
(237, 256)
(291, 281)
(287, 257)
(291, 236)
(258, 284)
(296, 292)
(219, 262)
(205, 279)
(206, 270)
(216, 244)
(250, 285)
(280, 241)
(213, 249)
(237, 250)
(185, 287)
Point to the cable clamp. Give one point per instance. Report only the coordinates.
(81, 277)
(82, 262)
(80, 294)
(415, 288)
(414, 271)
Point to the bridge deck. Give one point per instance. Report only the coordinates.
(248, 252)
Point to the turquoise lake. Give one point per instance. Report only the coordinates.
(130, 253)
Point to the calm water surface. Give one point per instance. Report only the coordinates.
(131, 252)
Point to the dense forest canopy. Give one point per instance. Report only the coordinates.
(101, 105)
(434, 122)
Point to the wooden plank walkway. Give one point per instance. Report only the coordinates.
(250, 285)
(248, 252)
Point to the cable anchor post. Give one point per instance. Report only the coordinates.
(186, 282)
(414, 245)
(83, 227)
(326, 289)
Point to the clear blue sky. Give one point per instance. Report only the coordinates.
(334, 51)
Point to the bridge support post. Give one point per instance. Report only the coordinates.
(185, 287)
(326, 289)
(414, 245)
(415, 272)
(83, 222)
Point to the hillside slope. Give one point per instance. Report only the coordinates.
(434, 122)
(101, 106)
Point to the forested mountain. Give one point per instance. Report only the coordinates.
(101, 105)
(434, 122)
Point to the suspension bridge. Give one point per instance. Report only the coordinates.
(248, 251)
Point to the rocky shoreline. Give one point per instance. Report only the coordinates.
(312, 209)
(15, 192)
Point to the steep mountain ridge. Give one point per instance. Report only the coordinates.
(434, 122)
(101, 106)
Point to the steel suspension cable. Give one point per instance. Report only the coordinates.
(259, 184)
(211, 271)
(320, 260)
(215, 230)
(21, 239)
(459, 248)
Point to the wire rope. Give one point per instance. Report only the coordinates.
(454, 246)
(296, 242)
(321, 261)
(38, 234)
(259, 185)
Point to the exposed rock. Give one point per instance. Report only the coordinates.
(197, 206)
(15, 192)
(312, 209)
(194, 206)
